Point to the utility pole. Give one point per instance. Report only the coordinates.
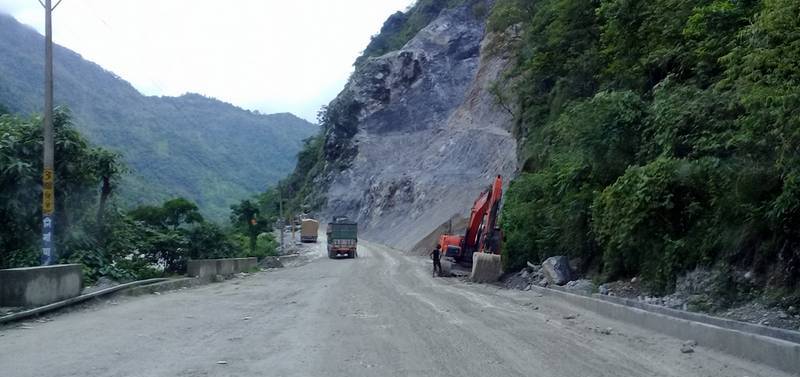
(280, 214)
(291, 223)
(48, 175)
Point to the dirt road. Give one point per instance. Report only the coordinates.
(379, 315)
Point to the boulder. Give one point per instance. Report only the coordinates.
(581, 286)
(557, 270)
(271, 262)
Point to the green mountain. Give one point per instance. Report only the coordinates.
(206, 150)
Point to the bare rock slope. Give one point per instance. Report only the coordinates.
(429, 135)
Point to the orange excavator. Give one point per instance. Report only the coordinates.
(479, 247)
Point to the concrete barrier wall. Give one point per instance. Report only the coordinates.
(773, 332)
(777, 353)
(37, 286)
(208, 268)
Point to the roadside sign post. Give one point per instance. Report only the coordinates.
(48, 226)
(48, 256)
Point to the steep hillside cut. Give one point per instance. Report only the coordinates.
(420, 134)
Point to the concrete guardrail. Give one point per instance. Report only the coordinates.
(37, 286)
(75, 300)
(208, 268)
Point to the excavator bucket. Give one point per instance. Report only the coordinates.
(486, 268)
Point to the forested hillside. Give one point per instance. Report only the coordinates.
(92, 228)
(192, 146)
(657, 136)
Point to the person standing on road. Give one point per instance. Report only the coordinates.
(437, 263)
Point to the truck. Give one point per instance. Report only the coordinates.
(308, 230)
(342, 238)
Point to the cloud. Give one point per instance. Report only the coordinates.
(266, 55)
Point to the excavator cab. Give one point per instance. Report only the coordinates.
(451, 246)
(452, 251)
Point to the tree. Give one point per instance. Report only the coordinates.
(76, 185)
(180, 211)
(246, 218)
(209, 241)
(177, 232)
(108, 167)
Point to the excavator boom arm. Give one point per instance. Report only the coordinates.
(490, 238)
(475, 219)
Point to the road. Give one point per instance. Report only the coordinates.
(379, 315)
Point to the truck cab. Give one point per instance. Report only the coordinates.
(342, 238)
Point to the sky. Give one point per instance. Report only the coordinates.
(266, 55)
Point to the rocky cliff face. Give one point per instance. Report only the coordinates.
(420, 134)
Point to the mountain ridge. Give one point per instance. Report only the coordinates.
(189, 145)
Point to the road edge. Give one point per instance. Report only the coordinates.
(777, 353)
(75, 300)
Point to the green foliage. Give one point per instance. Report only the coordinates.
(653, 219)
(246, 218)
(688, 122)
(657, 136)
(91, 228)
(541, 218)
(266, 245)
(77, 172)
(117, 249)
(710, 34)
(559, 59)
(181, 211)
(509, 12)
(175, 232)
(209, 241)
(547, 211)
(172, 214)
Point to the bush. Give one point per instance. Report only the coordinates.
(209, 241)
(509, 12)
(266, 246)
(652, 220)
(548, 212)
(659, 135)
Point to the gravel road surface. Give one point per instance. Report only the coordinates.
(379, 315)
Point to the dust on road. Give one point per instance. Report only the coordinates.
(381, 314)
